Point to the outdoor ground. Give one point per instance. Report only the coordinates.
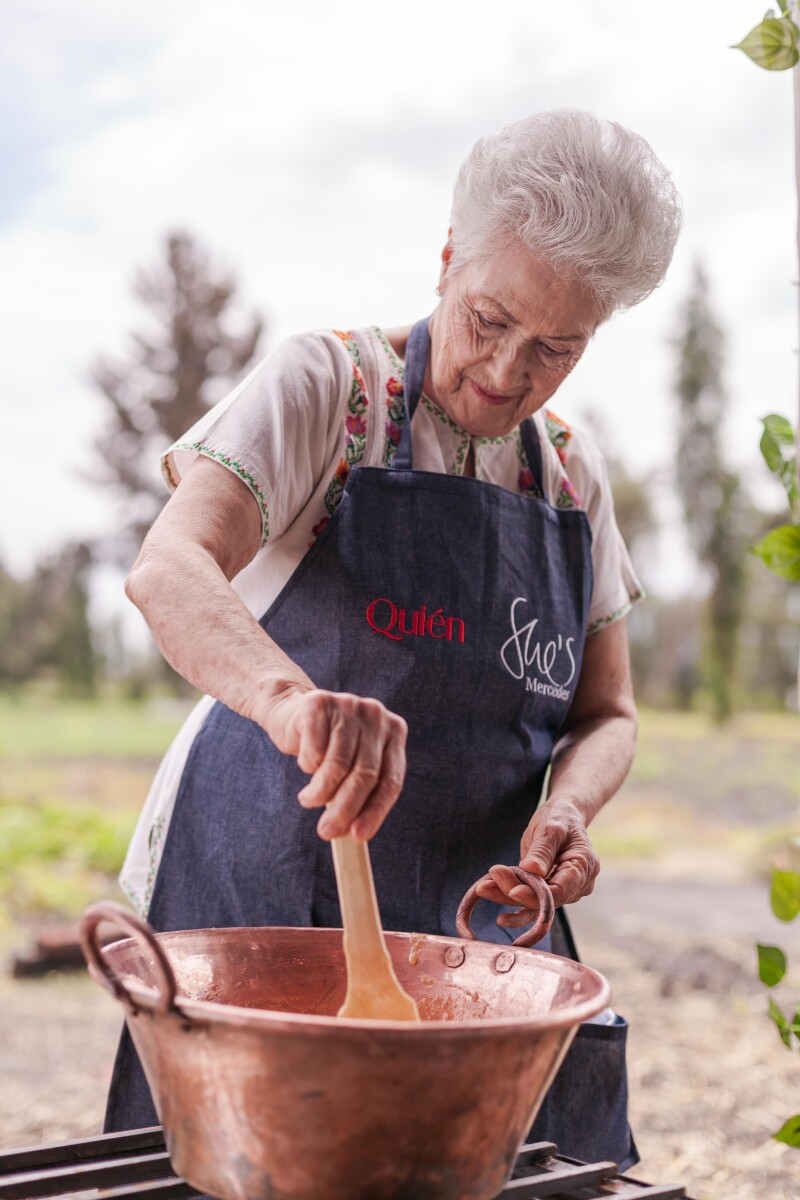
(681, 902)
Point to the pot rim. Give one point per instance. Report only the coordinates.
(215, 1012)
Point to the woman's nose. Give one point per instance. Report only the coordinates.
(509, 370)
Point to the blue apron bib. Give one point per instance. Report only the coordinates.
(461, 606)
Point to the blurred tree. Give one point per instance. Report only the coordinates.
(665, 649)
(714, 504)
(633, 505)
(44, 623)
(193, 353)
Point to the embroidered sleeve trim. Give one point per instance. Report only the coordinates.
(166, 471)
(239, 470)
(617, 614)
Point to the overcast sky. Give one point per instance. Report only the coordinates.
(312, 147)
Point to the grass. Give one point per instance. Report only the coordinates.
(48, 728)
(56, 857)
(74, 775)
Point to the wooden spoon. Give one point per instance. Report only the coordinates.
(373, 990)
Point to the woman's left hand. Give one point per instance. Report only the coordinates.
(556, 847)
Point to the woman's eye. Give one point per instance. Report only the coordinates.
(553, 353)
(487, 322)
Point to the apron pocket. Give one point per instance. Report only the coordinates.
(585, 1112)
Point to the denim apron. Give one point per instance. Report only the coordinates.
(463, 607)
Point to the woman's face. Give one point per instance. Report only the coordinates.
(506, 333)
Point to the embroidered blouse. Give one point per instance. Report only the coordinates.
(321, 404)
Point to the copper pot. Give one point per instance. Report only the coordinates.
(265, 1095)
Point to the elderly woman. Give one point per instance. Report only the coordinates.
(392, 570)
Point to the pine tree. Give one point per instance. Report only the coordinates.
(194, 351)
(714, 504)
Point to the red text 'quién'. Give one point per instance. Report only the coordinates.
(386, 617)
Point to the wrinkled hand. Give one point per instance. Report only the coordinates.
(556, 847)
(354, 749)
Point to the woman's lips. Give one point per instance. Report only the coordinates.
(490, 397)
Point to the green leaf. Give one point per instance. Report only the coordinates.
(784, 1028)
(772, 44)
(789, 1132)
(783, 5)
(779, 449)
(771, 964)
(780, 551)
(785, 894)
(778, 433)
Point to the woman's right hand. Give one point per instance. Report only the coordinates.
(353, 747)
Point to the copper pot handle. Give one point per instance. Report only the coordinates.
(544, 918)
(143, 934)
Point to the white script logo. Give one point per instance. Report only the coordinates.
(552, 659)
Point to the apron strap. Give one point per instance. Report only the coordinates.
(533, 450)
(417, 351)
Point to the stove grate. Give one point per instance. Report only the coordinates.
(127, 1165)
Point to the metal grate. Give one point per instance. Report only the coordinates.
(136, 1164)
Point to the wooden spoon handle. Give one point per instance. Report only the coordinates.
(357, 897)
(373, 989)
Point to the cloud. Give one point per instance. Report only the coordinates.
(313, 148)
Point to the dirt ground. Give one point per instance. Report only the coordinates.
(681, 901)
(710, 1079)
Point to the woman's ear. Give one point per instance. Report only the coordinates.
(447, 254)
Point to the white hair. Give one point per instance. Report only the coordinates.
(586, 196)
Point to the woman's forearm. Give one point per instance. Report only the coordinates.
(204, 630)
(352, 747)
(589, 763)
(592, 759)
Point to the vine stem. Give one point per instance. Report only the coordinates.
(796, 90)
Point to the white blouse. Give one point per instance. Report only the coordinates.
(322, 403)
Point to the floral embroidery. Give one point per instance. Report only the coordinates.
(157, 830)
(336, 486)
(244, 475)
(355, 424)
(567, 496)
(457, 465)
(526, 484)
(351, 345)
(601, 622)
(389, 348)
(497, 441)
(135, 900)
(441, 416)
(395, 417)
(559, 433)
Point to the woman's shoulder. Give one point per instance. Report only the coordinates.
(576, 449)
